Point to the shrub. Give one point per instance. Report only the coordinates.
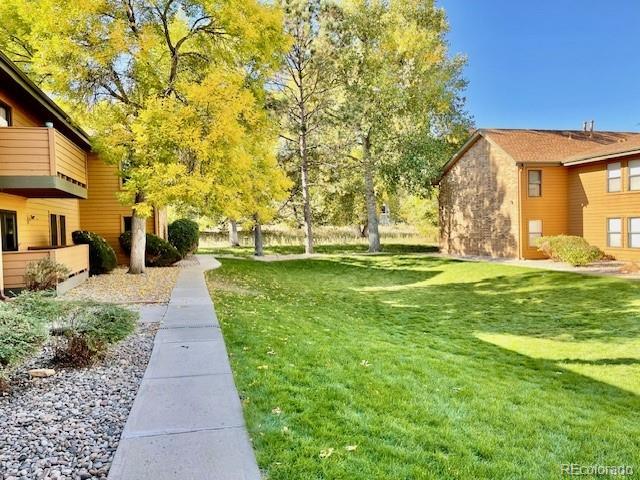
(20, 335)
(158, 253)
(102, 258)
(573, 250)
(89, 329)
(44, 274)
(184, 235)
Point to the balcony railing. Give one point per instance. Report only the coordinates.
(75, 258)
(40, 161)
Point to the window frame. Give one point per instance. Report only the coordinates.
(123, 223)
(7, 109)
(610, 232)
(538, 184)
(637, 175)
(14, 214)
(630, 232)
(539, 234)
(619, 177)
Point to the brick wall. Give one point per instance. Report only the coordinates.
(479, 204)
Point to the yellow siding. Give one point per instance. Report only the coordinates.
(20, 114)
(75, 258)
(590, 205)
(24, 151)
(71, 161)
(33, 218)
(551, 207)
(102, 212)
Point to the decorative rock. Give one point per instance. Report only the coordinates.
(42, 372)
(68, 427)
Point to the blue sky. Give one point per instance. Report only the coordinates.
(549, 63)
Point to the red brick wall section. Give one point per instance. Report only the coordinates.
(479, 204)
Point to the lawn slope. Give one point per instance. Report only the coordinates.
(401, 367)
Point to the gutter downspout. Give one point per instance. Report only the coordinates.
(520, 226)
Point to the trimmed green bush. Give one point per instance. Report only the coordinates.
(102, 258)
(184, 234)
(573, 250)
(158, 253)
(44, 274)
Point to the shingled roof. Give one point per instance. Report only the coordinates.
(554, 146)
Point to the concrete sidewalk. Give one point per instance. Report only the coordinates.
(186, 422)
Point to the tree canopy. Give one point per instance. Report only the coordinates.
(173, 90)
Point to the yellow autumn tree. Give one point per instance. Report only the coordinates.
(172, 90)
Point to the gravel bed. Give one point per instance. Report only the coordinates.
(68, 426)
(153, 286)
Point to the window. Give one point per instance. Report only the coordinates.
(614, 232)
(614, 177)
(9, 225)
(126, 224)
(58, 228)
(535, 232)
(634, 174)
(634, 232)
(535, 183)
(5, 115)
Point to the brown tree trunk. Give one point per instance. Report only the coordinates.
(233, 234)
(370, 195)
(257, 238)
(304, 180)
(138, 240)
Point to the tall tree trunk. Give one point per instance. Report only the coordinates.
(233, 233)
(370, 194)
(257, 238)
(304, 180)
(138, 240)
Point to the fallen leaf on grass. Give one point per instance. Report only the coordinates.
(350, 448)
(326, 453)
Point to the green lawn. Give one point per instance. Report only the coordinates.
(430, 368)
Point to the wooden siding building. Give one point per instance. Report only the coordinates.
(505, 188)
(51, 184)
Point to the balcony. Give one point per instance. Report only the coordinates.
(40, 162)
(75, 258)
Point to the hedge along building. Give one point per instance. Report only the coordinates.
(505, 188)
(52, 184)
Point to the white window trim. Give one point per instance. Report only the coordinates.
(610, 232)
(614, 177)
(636, 175)
(536, 234)
(630, 232)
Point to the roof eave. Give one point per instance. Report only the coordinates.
(8, 67)
(600, 158)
